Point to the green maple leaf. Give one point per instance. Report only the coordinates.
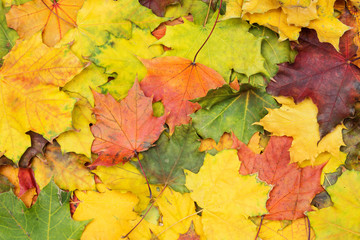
(48, 218)
(231, 46)
(165, 163)
(224, 110)
(120, 56)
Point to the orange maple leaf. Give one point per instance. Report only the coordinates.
(53, 18)
(123, 128)
(175, 80)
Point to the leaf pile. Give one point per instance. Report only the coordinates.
(117, 121)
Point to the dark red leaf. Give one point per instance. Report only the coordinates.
(321, 73)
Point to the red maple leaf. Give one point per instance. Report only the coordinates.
(123, 128)
(176, 80)
(321, 73)
(294, 187)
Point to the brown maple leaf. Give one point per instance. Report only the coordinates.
(124, 128)
(53, 18)
(158, 6)
(294, 187)
(176, 80)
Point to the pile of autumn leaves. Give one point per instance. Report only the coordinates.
(110, 81)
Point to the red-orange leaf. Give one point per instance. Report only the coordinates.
(124, 127)
(53, 18)
(294, 187)
(176, 80)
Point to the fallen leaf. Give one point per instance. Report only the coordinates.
(176, 80)
(316, 73)
(30, 79)
(178, 213)
(49, 216)
(339, 221)
(185, 39)
(67, 170)
(294, 187)
(299, 122)
(53, 18)
(226, 197)
(126, 177)
(37, 145)
(89, 78)
(165, 163)
(121, 56)
(224, 110)
(111, 213)
(123, 128)
(80, 139)
(96, 22)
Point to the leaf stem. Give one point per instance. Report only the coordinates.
(309, 233)
(147, 211)
(257, 234)
(143, 172)
(212, 30)
(207, 14)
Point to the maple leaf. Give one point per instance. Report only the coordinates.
(176, 80)
(89, 78)
(223, 108)
(158, 6)
(30, 98)
(53, 18)
(296, 230)
(339, 221)
(288, 18)
(67, 170)
(126, 177)
(223, 193)
(294, 187)
(120, 56)
(110, 222)
(316, 73)
(239, 50)
(95, 23)
(124, 128)
(178, 213)
(299, 121)
(49, 216)
(80, 139)
(165, 163)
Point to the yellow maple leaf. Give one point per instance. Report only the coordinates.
(227, 198)
(277, 230)
(178, 212)
(30, 98)
(111, 211)
(126, 177)
(300, 122)
(53, 18)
